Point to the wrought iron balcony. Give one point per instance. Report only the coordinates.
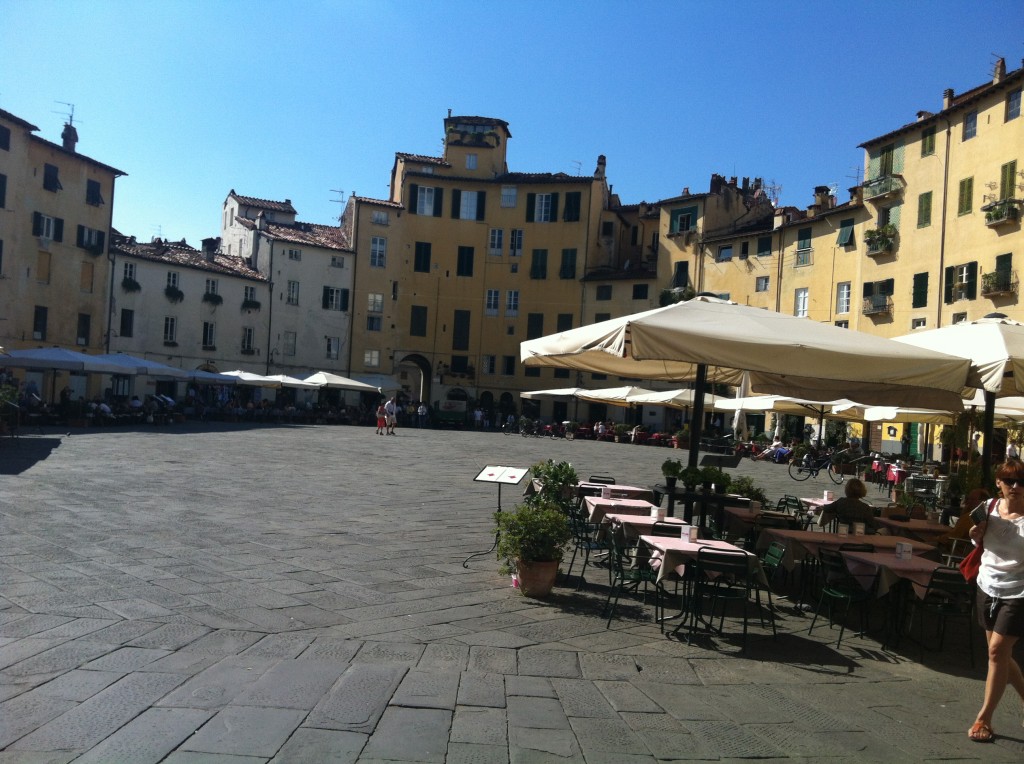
(880, 241)
(1003, 212)
(886, 185)
(997, 283)
(878, 304)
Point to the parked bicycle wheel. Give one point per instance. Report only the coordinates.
(799, 471)
(835, 474)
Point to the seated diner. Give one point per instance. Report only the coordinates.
(851, 508)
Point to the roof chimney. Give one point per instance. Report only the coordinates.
(947, 98)
(601, 161)
(69, 137)
(1000, 71)
(210, 247)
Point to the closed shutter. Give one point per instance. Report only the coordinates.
(948, 276)
(894, 215)
(3, 191)
(414, 192)
(966, 198)
(874, 161)
(531, 206)
(80, 241)
(887, 287)
(481, 204)
(972, 281)
(554, 207)
(37, 224)
(897, 157)
(869, 289)
(344, 300)
(101, 240)
(460, 330)
(1004, 263)
(438, 202)
(924, 209)
(326, 303)
(572, 207)
(1007, 181)
(456, 202)
(58, 229)
(920, 294)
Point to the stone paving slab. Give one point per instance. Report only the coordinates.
(248, 620)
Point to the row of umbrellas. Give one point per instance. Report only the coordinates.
(60, 359)
(706, 340)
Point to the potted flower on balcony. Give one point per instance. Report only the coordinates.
(531, 543)
(880, 239)
(174, 294)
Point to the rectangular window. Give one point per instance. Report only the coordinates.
(127, 323)
(460, 330)
(289, 343)
(918, 323)
(965, 200)
(515, 242)
(43, 267)
(744, 250)
(534, 325)
(960, 318)
(471, 161)
(764, 246)
(85, 277)
(172, 279)
(1007, 180)
(495, 242)
(919, 297)
(248, 335)
(468, 205)
(843, 297)
(428, 201)
(129, 271)
(249, 294)
(488, 364)
(84, 325)
(378, 252)
(680, 274)
(928, 141)
(337, 261)
(293, 292)
(607, 229)
(845, 238)
(640, 291)
(970, 125)
(512, 303)
(379, 217)
(563, 322)
(761, 284)
(211, 286)
(491, 302)
(294, 254)
(567, 270)
(803, 246)
(335, 298)
(209, 336)
(599, 317)
(924, 209)
(3, 191)
(39, 316)
(960, 282)
(170, 329)
(421, 260)
(333, 347)
(682, 220)
(724, 254)
(464, 264)
(93, 193)
(843, 324)
(508, 365)
(539, 264)
(418, 321)
(508, 196)
(1013, 104)
(541, 208)
(800, 303)
(375, 302)
(571, 213)
(91, 239)
(604, 292)
(47, 227)
(371, 359)
(51, 181)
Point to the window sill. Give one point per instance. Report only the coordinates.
(209, 347)
(170, 344)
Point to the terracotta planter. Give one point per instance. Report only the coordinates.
(536, 579)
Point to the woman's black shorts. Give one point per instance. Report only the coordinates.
(1004, 617)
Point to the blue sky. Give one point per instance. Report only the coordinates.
(300, 99)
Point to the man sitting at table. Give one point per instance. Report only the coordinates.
(851, 508)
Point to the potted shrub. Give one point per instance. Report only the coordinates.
(672, 469)
(621, 433)
(746, 487)
(691, 476)
(714, 476)
(531, 543)
(556, 484)
(682, 438)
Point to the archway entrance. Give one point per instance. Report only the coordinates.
(418, 370)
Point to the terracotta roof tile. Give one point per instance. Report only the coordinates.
(381, 202)
(422, 158)
(308, 234)
(266, 204)
(18, 120)
(181, 254)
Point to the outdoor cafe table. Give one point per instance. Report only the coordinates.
(919, 530)
(634, 526)
(701, 499)
(804, 545)
(677, 553)
(617, 490)
(597, 507)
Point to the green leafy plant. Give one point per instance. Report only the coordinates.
(129, 284)
(557, 485)
(251, 305)
(672, 468)
(174, 294)
(621, 431)
(213, 298)
(718, 477)
(535, 531)
(745, 486)
(691, 476)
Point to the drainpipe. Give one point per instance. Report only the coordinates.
(110, 258)
(270, 284)
(355, 257)
(942, 228)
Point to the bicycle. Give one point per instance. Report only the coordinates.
(562, 430)
(510, 428)
(528, 429)
(810, 465)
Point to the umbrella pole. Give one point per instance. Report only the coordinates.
(987, 427)
(697, 420)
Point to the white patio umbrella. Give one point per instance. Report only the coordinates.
(285, 381)
(995, 346)
(616, 396)
(249, 379)
(553, 394)
(337, 382)
(144, 366)
(59, 359)
(210, 377)
(707, 339)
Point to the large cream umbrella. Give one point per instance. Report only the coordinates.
(995, 346)
(337, 382)
(708, 339)
(616, 396)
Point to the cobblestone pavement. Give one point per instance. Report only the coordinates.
(297, 594)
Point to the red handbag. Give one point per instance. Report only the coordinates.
(971, 564)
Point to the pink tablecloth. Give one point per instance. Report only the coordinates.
(618, 491)
(677, 553)
(890, 568)
(923, 530)
(597, 507)
(638, 525)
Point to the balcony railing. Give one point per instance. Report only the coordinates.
(997, 283)
(880, 241)
(877, 304)
(1002, 212)
(886, 185)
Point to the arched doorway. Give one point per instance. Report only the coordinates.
(416, 365)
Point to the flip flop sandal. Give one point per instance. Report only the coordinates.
(981, 732)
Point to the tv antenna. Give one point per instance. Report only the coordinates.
(856, 174)
(773, 191)
(578, 165)
(340, 201)
(70, 114)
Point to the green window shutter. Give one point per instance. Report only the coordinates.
(874, 161)
(531, 206)
(572, 207)
(803, 238)
(920, 295)
(897, 157)
(972, 280)
(58, 229)
(924, 209)
(764, 246)
(887, 287)
(456, 202)
(949, 274)
(414, 194)
(3, 191)
(928, 141)
(1004, 263)
(325, 301)
(894, 215)
(37, 224)
(80, 241)
(869, 289)
(101, 240)
(563, 322)
(845, 233)
(966, 198)
(481, 204)
(554, 207)
(438, 202)
(344, 300)
(568, 269)
(1007, 181)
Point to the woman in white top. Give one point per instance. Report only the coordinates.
(1001, 590)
